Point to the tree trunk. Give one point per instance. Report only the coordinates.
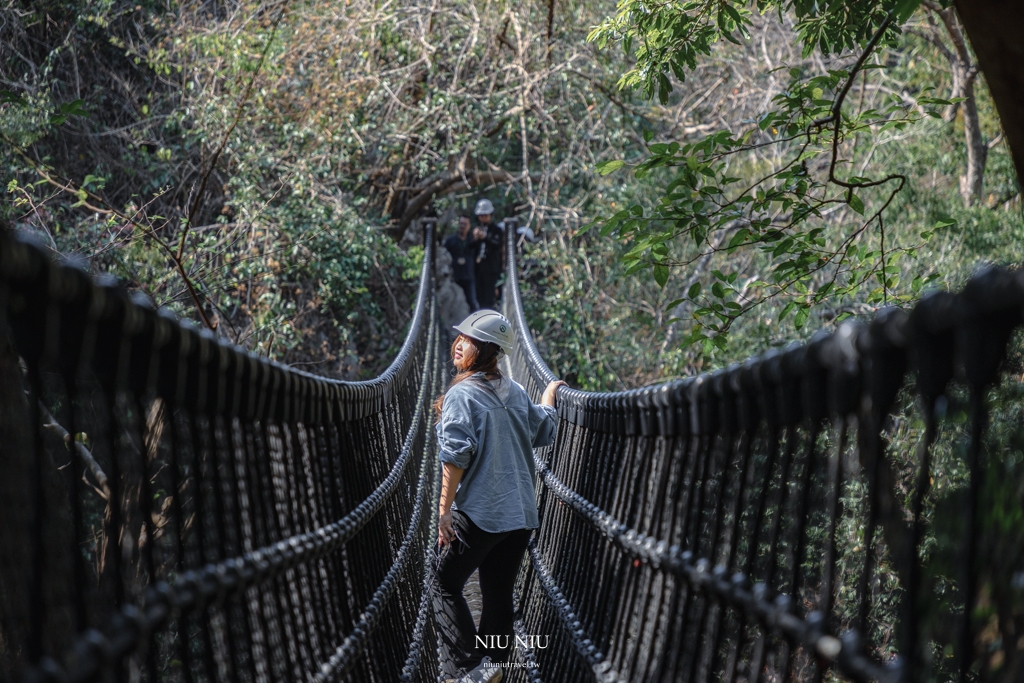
(995, 28)
(964, 72)
(977, 149)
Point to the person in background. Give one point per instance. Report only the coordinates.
(463, 247)
(490, 262)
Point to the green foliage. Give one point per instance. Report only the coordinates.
(277, 256)
(798, 208)
(289, 238)
(779, 213)
(670, 38)
(67, 109)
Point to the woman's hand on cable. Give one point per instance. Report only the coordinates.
(548, 399)
(445, 529)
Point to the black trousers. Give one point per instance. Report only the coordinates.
(498, 557)
(485, 283)
(469, 289)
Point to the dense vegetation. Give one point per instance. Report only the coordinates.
(253, 166)
(708, 179)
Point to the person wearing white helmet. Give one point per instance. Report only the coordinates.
(490, 261)
(487, 429)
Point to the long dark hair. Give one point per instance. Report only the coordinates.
(484, 358)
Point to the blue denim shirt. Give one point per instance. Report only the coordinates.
(494, 441)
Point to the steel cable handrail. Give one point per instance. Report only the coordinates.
(719, 481)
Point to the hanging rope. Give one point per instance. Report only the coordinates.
(258, 520)
(193, 512)
(735, 525)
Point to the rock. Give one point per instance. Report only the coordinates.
(451, 302)
(412, 237)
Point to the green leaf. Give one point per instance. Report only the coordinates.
(660, 274)
(694, 291)
(733, 14)
(648, 135)
(97, 181)
(672, 304)
(9, 97)
(739, 238)
(585, 228)
(610, 226)
(607, 167)
(904, 8)
(856, 204)
(638, 265)
(73, 108)
(801, 318)
(664, 88)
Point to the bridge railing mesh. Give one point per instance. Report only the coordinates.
(834, 508)
(179, 509)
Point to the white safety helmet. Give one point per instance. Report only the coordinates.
(483, 207)
(488, 326)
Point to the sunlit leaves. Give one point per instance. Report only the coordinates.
(607, 167)
(668, 38)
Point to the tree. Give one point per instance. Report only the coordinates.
(964, 72)
(823, 229)
(994, 29)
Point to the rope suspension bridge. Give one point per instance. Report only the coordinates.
(227, 518)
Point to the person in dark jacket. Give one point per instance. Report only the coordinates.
(490, 261)
(463, 248)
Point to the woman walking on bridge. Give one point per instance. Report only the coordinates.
(487, 430)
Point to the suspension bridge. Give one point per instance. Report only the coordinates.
(179, 509)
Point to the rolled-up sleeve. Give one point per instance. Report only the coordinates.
(544, 422)
(456, 433)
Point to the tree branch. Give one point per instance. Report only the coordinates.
(227, 134)
(454, 181)
(98, 476)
